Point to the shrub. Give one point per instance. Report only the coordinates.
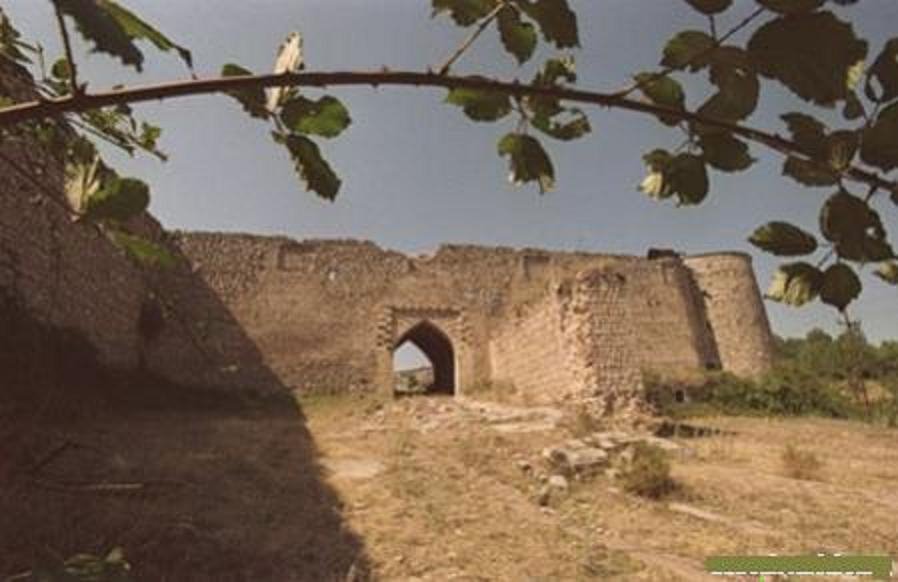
(648, 473)
(799, 464)
(787, 390)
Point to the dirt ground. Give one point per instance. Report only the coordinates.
(444, 497)
(425, 488)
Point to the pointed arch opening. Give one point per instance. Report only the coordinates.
(437, 348)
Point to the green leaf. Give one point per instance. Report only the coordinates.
(555, 70)
(663, 91)
(655, 183)
(10, 45)
(783, 239)
(556, 20)
(480, 105)
(710, 6)
(113, 30)
(840, 286)
(326, 117)
(464, 12)
(795, 284)
(809, 172)
(737, 84)
(518, 37)
(791, 6)
(145, 252)
(841, 146)
(879, 146)
(97, 25)
(528, 161)
(724, 152)
(688, 48)
(312, 167)
(61, 69)
(252, 99)
(807, 132)
(118, 199)
(138, 29)
(854, 228)
(684, 175)
(885, 72)
(688, 178)
(573, 124)
(888, 272)
(811, 54)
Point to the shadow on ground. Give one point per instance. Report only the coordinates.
(191, 484)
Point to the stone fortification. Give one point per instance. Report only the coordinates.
(272, 313)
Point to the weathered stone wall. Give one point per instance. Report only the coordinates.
(66, 275)
(533, 352)
(591, 337)
(735, 311)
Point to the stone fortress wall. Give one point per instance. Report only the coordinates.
(327, 315)
(268, 313)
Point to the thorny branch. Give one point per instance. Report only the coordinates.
(67, 44)
(80, 102)
(466, 44)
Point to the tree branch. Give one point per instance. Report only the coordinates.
(67, 44)
(718, 42)
(81, 102)
(473, 37)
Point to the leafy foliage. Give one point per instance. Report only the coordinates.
(784, 239)
(810, 53)
(880, 146)
(686, 49)
(252, 100)
(113, 30)
(326, 117)
(724, 152)
(840, 286)
(480, 105)
(312, 167)
(528, 161)
(683, 175)
(518, 36)
(795, 284)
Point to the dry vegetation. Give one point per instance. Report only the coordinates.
(451, 502)
(420, 489)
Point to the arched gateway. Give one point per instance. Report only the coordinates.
(437, 347)
(441, 333)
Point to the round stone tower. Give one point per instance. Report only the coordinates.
(734, 311)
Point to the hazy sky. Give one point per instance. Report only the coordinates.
(417, 173)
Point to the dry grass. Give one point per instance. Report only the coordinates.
(648, 473)
(800, 464)
(241, 497)
(454, 504)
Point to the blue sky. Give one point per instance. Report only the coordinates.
(417, 173)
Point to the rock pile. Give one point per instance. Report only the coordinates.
(584, 458)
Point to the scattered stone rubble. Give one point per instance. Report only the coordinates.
(584, 458)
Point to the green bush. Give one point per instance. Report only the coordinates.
(648, 473)
(787, 390)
